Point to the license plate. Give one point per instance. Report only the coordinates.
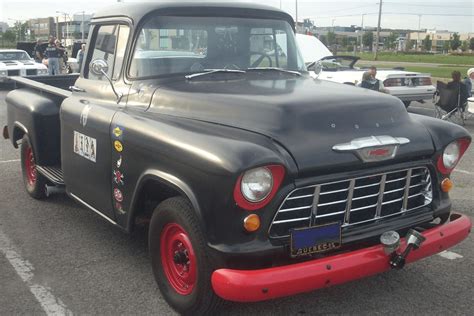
(305, 241)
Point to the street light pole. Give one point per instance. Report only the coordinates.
(296, 15)
(378, 31)
(419, 28)
(362, 34)
(82, 27)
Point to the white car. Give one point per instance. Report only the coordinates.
(14, 62)
(407, 86)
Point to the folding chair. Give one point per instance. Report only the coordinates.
(470, 108)
(448, 105)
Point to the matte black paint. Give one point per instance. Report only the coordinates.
(196, 138)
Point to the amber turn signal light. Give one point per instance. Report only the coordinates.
(252, 223)
(446, 185)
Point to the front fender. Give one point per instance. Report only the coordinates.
(442, 132)
(167, 180)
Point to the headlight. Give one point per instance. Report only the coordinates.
(3, 73)
(256, 184)
(451, 155)
(42, 71)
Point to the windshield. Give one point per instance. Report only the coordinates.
(4, 56)
(184, 45)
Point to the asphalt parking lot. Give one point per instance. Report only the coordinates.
(57, 257)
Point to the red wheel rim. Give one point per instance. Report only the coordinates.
(178, 258)
(30, 166)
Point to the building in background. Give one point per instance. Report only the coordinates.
(42, 28)
(73, 28)
(3, 27)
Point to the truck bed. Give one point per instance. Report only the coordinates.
(55, 85)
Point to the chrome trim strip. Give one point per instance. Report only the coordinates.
(407, 190)
(91, 208)
(292, 220)
(300, 197)
(331, 203)
(330, 214)
(314, 208)
(350, 194)
(366, 186)
(295, 208)
(363, 207)
(378, 210)
(332, 192)
(371, 141)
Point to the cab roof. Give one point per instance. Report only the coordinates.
(136, 10)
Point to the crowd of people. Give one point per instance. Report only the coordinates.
(464, 86)
(54, 55)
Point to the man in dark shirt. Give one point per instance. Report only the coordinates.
(52, 54)
(39, 52)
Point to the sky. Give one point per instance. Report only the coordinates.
(457, 15)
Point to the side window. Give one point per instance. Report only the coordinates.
(122, 41)
(104, 48)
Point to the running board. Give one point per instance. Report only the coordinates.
(53, 174)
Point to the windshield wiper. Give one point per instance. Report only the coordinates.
(213, 71)
(296, 73)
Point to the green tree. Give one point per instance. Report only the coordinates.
(471, 43)
(455, 41)
(331, 37)
(9, 36)
(446, 46)
(427, 43)
(368, 39)
(464, 46)
(390, 41)
(345, 41)
(323, 39)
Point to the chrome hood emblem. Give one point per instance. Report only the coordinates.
(373, 148)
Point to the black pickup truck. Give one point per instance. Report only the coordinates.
(257, 181)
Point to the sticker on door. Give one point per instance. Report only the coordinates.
(85, 146)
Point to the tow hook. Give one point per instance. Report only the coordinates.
(391, 243)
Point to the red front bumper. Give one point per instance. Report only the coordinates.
(264, 284)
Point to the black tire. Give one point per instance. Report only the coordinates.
(201, 300)
(35, 183)
(407, 103)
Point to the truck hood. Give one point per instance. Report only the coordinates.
(308, 117)
(19, 64)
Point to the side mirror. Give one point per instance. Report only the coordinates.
(99, 67)
(316, 67)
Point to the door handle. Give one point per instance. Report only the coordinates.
(76, 89)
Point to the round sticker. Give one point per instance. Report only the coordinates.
(118, 146)
(118, 195)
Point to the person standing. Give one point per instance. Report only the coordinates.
(80, 56)
(62, 56)
(469, 80)
(52, 54)
(39, 52)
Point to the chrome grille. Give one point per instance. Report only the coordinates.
(31, 72)
(13, 72)
(354, 201)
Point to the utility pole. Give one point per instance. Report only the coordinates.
(296, 5)
(362, 34)
(419, 28)
(82, 27)
(378, 31)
